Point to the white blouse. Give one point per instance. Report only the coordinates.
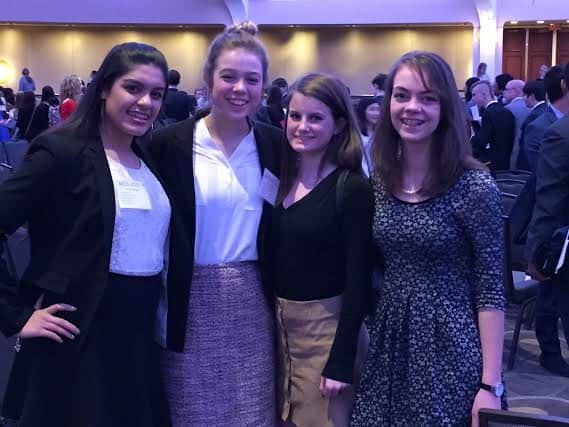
(142, 221)
(228, 204)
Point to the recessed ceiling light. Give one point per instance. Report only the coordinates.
(540, 22)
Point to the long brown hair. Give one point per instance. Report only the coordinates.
(344, 149)
(451, 151)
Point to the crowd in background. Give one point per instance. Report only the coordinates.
(176, 238)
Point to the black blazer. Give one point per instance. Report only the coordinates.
(64, 192)
(495, 140)
(172, 149)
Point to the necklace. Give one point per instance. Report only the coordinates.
(411, 191)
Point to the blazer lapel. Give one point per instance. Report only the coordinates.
(105, 187)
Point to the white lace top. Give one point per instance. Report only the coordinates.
(141, 222)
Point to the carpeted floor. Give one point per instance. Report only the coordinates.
(530, 387)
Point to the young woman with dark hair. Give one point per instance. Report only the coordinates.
(98, 221)
(435, 351)
(219, 366)
(320, 255)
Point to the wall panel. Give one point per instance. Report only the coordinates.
(354, 54)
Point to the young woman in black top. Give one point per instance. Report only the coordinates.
(320, 240)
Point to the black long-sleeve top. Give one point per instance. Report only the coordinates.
(321, 250)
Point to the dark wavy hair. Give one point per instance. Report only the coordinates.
(451, 150)
(120, 60)
(344, 149)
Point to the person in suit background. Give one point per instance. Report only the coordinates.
(516, 103)
(494, 141)
(178, 105)
(534, 95)
(499, 86)
(551, 211)
(558, 96)
(219, 366)
(98, 220)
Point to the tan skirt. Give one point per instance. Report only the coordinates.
(306, 331)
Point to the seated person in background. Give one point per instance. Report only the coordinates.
(558, 95)
(550, 213)
(178, 104)
(494, 141)
(70, 92)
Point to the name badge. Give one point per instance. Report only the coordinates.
(133, 195)
(475, 113)
(269, 187)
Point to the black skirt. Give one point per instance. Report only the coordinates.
(113, 380)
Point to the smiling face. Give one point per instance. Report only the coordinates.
(237, 84)
(134, 100)
(310, 125)
(415, 109)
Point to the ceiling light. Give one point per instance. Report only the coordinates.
(540, 22)
(513, 22)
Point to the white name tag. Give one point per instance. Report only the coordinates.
(269, 187)
(133, 195)
(475, 113)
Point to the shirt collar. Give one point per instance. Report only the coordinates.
(558, 113)
(537, 105)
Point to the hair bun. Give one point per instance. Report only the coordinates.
(245, 26)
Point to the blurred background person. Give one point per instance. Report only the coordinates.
(70, 93)
(26, 82)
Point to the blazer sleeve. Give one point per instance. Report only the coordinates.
(27, 189)
(532, 143)
(356, 225)
(552, 188)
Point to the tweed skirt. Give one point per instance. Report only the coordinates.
(225, 376)
(306, 332)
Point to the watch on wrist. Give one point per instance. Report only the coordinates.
(497, 389)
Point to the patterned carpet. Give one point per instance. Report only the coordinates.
(530, 387)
